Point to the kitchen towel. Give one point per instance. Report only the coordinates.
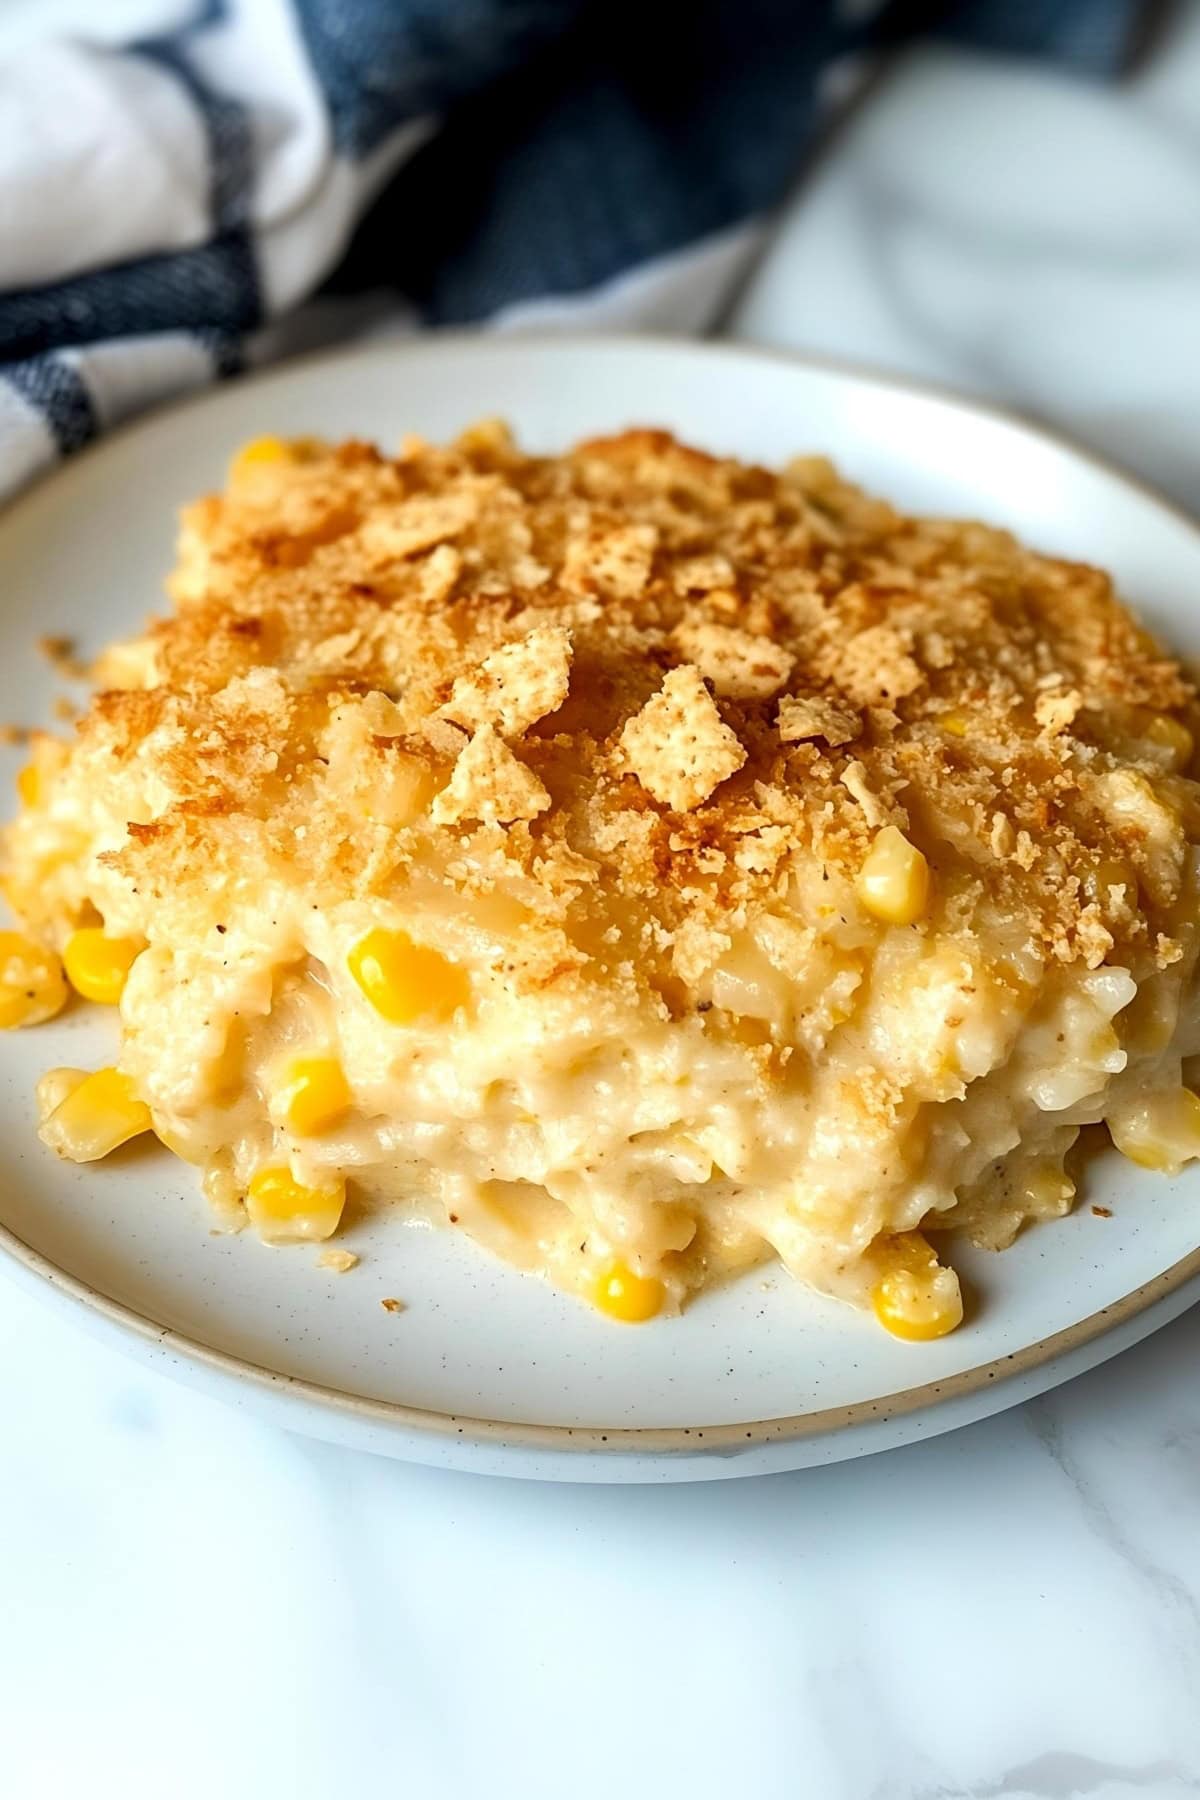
(261, 176)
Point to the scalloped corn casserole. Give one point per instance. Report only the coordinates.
(647, 863)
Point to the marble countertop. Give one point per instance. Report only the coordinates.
(197, 1605)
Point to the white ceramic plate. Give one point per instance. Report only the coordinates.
(486, 1368)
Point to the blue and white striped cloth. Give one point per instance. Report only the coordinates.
(261, 175)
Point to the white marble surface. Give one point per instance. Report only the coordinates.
(193, 1605)
(1019, 235)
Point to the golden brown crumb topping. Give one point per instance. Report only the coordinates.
(640, 670)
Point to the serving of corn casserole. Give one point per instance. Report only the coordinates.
(645, 863)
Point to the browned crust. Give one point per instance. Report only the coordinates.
(981, 693)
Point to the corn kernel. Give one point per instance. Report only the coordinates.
(97, 1116)
(29, 785)
(97, 965)
(314, 1097)
(53, 1088)
(282, 1211)
(628, 1297)
(406, 981)
(893, 883)
(917, 1299)
(32, 988)
(955, 722)
(1172, 735)
(260, 450)
(1159, 1132)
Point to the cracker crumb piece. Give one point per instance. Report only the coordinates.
(337, 652)
(341, 1261)
(14, 734)
(438, 573)
(416, 524)
(803, 716)
(393, 1305)
(1102, 1212)
(854, 780)
(739, 665)
(1026, 853)
(702, 574)
(490, 784)
(65, 709)
(875, 665)
(1055, 709)
(678, 745)
(60, 654)
(516, 685)
(1167, 951)
(1003, 838)
(613, 561)
(442, 736)
(936, 650)
(1092, 937)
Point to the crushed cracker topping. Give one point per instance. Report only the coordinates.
(366, 650)
(340, 1261)
(678, 745)
(516, 685)
(1055, 709)
(737, 664)
(803, 716)
(60, 654)
(855, 781)
(874, 665)
(613, 560)
(490, 784)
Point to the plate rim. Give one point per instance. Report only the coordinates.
(604, 1440)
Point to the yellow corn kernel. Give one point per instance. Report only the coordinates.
(1172, 735)
(491, 436)
(917, 1298)
(631, 1298)
(32, 988)
(98, 1115)
(260, 450)
(29, 785)
(406, 981)
(97, 965)
(1160, 1132)
(282, 1211)
(315, 1096)
(893, 883)
(53, 1088)
(955, 722)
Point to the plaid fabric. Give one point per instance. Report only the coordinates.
(275, 170)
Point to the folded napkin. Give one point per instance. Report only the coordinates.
(268, 175)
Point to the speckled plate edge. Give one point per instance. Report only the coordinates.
(624, 1453)
(833, 1433)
